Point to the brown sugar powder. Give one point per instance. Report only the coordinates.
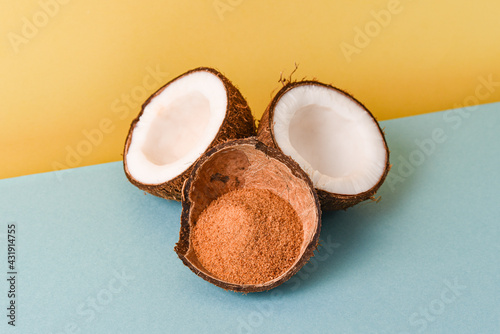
(248, 236)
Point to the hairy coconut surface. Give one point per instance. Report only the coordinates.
(332, 136)
(247, 164)
(177, 124)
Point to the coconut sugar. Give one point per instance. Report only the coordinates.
(248, 236)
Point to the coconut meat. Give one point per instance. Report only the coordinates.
(176, 127)
(332, 137)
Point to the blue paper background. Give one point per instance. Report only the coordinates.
(95, 254)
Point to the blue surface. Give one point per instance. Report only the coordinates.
(95, 254)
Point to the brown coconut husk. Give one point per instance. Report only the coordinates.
(239, 164)
(328, 200)
(238, 123)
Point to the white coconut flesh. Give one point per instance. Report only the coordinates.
(176, 127)
(331, 137)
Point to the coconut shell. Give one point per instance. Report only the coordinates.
(328, 200)
(238, 123)
(247, 163)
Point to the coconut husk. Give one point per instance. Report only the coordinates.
(247, 163)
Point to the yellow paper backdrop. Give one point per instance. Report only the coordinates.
(74, 73)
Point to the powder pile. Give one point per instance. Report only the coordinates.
(248, 236)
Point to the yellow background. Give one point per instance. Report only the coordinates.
(68, 77)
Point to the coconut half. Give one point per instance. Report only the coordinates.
(244, 164)
(332, 136)
(177, 124)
